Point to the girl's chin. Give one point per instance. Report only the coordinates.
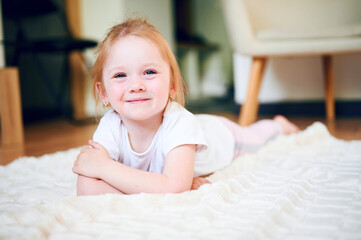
(142, 116)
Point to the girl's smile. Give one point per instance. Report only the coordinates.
(138, 100)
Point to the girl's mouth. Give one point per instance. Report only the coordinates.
(138, 100)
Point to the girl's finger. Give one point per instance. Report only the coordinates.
(95, 144)
(75, 169)
(84, 149)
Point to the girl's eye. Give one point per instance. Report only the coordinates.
(120, 75)
(150, 72)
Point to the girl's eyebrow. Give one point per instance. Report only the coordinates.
(115, 69)
(151, 64)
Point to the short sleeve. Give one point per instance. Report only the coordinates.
(182, 127)
(108, 134)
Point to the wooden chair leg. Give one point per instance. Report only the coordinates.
(12, 129)
(78, 69)
(329, 87)
(249, 109)
(78, 75)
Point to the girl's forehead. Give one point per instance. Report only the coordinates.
(132, 40)
(139, 42)
(136, 45)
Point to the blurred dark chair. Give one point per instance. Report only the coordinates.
(23, 11)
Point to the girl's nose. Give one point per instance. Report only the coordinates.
(137, 85)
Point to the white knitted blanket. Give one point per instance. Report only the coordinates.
(305, 186)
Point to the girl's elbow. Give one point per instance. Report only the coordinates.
(179, 188)
(82, 186)
(85, 186)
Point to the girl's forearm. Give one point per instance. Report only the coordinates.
(91, 186)
(131, 181)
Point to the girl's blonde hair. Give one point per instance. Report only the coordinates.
(140, 28)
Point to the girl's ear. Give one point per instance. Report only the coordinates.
(101, 92)
(172, 93)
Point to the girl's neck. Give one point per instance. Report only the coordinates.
(141, 133)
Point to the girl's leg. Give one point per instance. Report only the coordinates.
(287, 126)
(251, 138)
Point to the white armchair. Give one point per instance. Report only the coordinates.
(280, 28)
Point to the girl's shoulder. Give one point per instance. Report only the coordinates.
(175, 110)
(108, 133)
(110, 116)
(110, 122)
(181, 127)
(177, 117)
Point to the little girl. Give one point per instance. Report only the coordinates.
(148, 142)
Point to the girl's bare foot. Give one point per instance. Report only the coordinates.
(287, 126)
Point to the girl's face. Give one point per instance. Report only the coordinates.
(136, 79)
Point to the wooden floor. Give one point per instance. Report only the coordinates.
(60, 135)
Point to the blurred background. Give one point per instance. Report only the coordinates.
(57, 86)
(197, 33)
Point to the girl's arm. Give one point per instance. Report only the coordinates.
(91, 186)
(177, 175)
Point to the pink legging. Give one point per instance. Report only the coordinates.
(251, 138)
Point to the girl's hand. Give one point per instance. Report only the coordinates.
(91, 160)
(199, 181)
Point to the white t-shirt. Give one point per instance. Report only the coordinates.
(214, 141)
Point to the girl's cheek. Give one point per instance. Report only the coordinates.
(118, 91)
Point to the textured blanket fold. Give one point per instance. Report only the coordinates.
(304, 186)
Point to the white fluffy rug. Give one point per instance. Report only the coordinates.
(306, 186)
